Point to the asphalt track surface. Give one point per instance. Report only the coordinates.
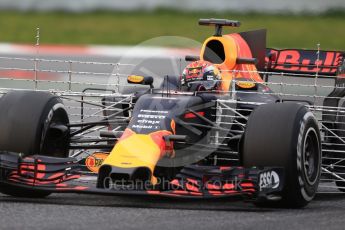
(68, 211)
(73, 211)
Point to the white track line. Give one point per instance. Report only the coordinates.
(95, 50)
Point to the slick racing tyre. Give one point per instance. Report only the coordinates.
(12, 190)
(285, 135)
(32, 123)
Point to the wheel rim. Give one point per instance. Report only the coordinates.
(56, 143)
(311, 156)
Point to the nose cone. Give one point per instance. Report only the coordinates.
(134, 157)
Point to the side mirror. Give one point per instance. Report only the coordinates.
(140, 80)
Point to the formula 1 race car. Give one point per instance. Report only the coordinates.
(237, 136)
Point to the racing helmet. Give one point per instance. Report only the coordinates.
(200, 75)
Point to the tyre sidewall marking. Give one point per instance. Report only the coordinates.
(305, 188)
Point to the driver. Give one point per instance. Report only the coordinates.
(200, 76)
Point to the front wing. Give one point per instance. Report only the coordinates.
(64, 175)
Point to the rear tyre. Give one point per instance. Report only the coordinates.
(339, 165)
(285, 135)
(32, 123)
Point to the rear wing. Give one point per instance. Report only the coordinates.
(310, 62)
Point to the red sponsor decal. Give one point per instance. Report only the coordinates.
(95, 160)
(289, 57)
(307, 61)
(192, 115)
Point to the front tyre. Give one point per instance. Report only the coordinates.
(32, 123)
(285, 135)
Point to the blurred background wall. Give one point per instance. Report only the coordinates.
(293, 6)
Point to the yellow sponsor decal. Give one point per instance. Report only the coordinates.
(94, 161)
(245, 84)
